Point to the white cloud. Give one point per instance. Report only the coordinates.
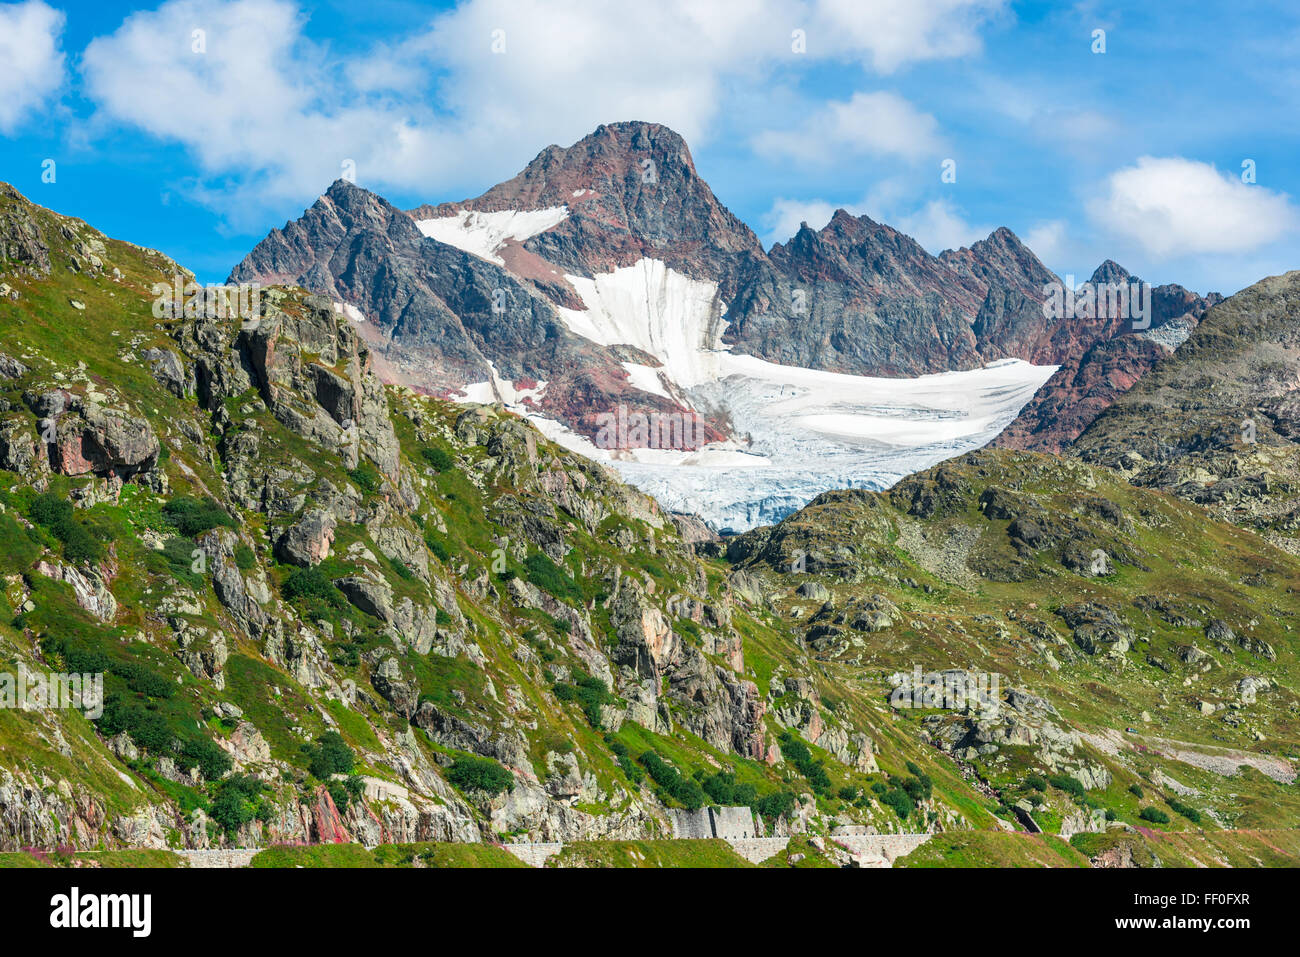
(1047, 240)
(785, 217)
(891, 33)
(31, 64)
(258, 102)
(867, 124)
(938, 226)
(1172, 207)
(270, 114)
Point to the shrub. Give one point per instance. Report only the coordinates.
(438, 457)
(244, 557)
(57, 515)
(366, 477)
(683, 790)
(178, 559)
(899, 800)
(438, 545)
(237, 801)
(194, 517)
(550, 577)
(776, 804)
(329, 756)
(148, 729)
(1035, 782)
(49, 509)
(721, 788)
(1136, 790)
(471, 773)
(1154, 815)
(1063, 782)
(797, 753)
(203, 753)
(591, 693)
(346, 791)
(1190, 813)
(634, 773)
(311, 583)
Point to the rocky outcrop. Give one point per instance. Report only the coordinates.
(89, 436)
(1219, 421)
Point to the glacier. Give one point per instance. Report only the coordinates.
(796, 432)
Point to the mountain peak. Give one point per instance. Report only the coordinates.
(1110, 272)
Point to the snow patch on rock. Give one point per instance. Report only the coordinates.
(660, 311)
(482, 234)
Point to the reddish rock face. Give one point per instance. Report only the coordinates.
(1094, 375)
(69, 459)
(1078, 392)
(326, 823)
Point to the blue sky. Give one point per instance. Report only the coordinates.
(197, 143)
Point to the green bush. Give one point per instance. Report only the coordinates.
(683, 790)
(194, 517)
(775, 805)
(1154, 815)
(900, 801)
(1069, 785)
(1136, 790)
(367, 478)
(438, 545)
(1035, 782)
(1190, 813)
(346, 791)
(237, 801)
(244, 557)
(471, 773)
(550, 577)
(312, 583)
(204, 754)
(438, 457)
(797, 753)
(148, 729)
(177, 558)
(56, 514)
(624, 757)
(721, 788)
(330, 755)
(591, 693)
